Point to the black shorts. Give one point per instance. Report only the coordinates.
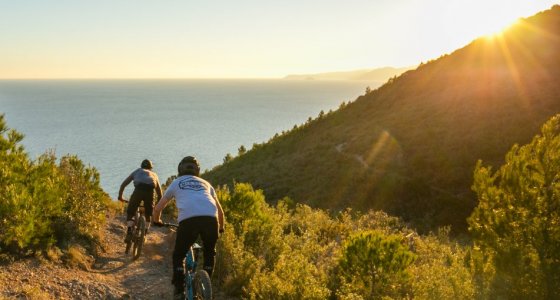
(189, 230)
(142, 193)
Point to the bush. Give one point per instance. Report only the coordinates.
(44, 204)
(374, 265)
(292, 251)
(516, 224)
(441, 270)
(30, 204)
(84, 203)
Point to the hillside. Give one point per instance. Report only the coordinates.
(410, 146)
(378, 75)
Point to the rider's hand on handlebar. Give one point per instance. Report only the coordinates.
(157, 223)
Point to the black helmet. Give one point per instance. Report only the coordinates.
(146, 164)
(188, 166)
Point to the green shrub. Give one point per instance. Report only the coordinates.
(170, 211)
(235, 267)
(84, 203)
(292, 251)
(242, 204)
(374, 265)
(516, 224)
(292, 277)
(44, 204)
(441, 271)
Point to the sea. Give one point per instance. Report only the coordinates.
(113, 125)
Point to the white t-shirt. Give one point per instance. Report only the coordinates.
(194, 196)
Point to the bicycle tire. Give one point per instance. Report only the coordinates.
(128, 245)
(202, 285)
(139, 238)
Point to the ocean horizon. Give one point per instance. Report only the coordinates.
(113, 125)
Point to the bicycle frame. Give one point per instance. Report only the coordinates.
(197, 282)
(138, 232)
(190, 269)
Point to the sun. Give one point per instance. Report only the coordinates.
(488, 18)
(498, 29)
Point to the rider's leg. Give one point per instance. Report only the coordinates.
(130, 213)
(148, 208)
(209, 236)
(148, 223)
(186, 236)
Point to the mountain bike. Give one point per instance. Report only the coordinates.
(197, 281)
(138, 233)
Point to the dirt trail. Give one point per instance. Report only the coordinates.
(113, 275)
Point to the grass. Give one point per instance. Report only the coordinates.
(76, 256)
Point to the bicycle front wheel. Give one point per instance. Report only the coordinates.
(203, 285)
(128, 246)
(139, 238)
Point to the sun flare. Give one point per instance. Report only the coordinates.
(498, 29)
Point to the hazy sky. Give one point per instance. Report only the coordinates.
(243, 38)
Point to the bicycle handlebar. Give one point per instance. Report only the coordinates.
(164, 224)
(173, 225)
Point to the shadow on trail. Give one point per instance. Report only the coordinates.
(111, 265)
(155, 254)
(151, 273)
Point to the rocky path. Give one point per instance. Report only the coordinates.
(113, 275)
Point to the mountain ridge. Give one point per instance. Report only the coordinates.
(375, 74)
(420, 134)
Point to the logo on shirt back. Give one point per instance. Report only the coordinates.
(191, 184)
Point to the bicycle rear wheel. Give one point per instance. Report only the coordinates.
(139, 238)
(202, 285)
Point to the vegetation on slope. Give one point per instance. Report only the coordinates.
(292, 251)
(283, 252)
(516, 223)
(410, 146)
(46, 205)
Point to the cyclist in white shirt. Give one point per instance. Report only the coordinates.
(200, 214)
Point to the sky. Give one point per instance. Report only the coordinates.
(238, 39)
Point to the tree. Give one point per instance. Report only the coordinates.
(227, 158)
(374, 265)
(43, 204)
(516, 225)
(241, 150)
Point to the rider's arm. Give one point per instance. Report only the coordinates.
(220, 210)
(159, 208)
(220, 216)
(127, 181)
(158, 190)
